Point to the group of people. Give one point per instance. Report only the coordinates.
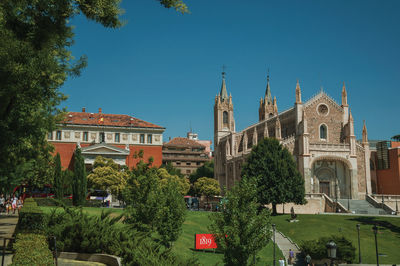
(307, 259)
(9, 204)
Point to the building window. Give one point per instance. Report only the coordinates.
(58, 135)
(85, 136)
(116, 137)
(149, 138)
(188, 163)
(225, 118)
(187, 171)
(197, 163)
(141, 138)
(102, 137)
(50, 135)
(178, 163)
(322, 132)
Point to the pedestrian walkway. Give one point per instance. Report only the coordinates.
(284, 245)
(7, 227)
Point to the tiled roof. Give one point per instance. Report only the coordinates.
(100, 119)
(183, 142)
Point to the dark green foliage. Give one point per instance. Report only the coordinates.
(31, 218)
(172, 213)
(276, 173)
(242, 228)
(206, 170)
(79, 232)
(35, 62)
(317, 249)
(58, 178)
(79, 187)
(32, 249)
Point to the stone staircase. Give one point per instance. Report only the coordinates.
(362, 207)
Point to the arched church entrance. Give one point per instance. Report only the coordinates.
(332, 177)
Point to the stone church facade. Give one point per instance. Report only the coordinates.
(319, 133)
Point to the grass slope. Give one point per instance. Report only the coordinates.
(196, 223)
(312, 227)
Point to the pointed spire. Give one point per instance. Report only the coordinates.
(275, 106)
(223, 94)
(350, 116)
(268, 97)
(364, 134)
(298, 93)
(278, 134)
(344, 95)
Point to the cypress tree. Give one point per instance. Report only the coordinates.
(79, 187)
(58, 178)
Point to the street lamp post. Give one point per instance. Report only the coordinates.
(359, 247)
(331, 249)
(273, 229)
(375, 228)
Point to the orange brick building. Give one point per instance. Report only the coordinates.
(386, 167)
(113, 136)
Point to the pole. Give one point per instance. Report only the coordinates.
(359, 246)
(273, 228)
(376, 244)
(4, 251)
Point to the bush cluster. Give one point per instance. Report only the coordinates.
(31, 218)
(66, 202)
(31, 249)
(77, 231)
(345, 251)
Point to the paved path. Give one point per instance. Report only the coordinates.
(7, 227)
(284, 245)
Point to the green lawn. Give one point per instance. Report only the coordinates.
(312, 227)
(196, 223)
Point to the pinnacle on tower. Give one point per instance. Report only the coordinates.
(298, 93)
(350, 116)
(268, 97)
(364, 134)
(344, 95)
(223, 94)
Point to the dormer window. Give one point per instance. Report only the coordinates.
(323, 132)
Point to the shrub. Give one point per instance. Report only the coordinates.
(345, 251)
(32, 249)
(31, 218)
(66, 202)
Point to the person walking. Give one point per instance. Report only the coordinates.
(308, 260)
(14, 203)
(20, 203)
(291, 256)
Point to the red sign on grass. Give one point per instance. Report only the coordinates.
(205, 241)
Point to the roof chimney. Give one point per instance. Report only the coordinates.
(83, 109)
(100, 110)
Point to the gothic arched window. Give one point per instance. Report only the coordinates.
(225, 118)
(322, 132)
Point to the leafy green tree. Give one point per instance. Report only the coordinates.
(241, 229)
(142, 196)
(278, 180)
(58, 178)
(182, 183)
(206, 170)
(107, 176)
(79, 187)
(207, 186)
(36, 60)
(172, 170)
(172, 212)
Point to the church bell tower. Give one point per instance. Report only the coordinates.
(224, 122)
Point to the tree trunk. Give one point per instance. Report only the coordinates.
(274, 209)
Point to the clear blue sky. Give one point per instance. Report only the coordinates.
(165, 68)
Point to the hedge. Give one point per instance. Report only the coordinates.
(66, 202)
(31, 218)
(32, 249)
